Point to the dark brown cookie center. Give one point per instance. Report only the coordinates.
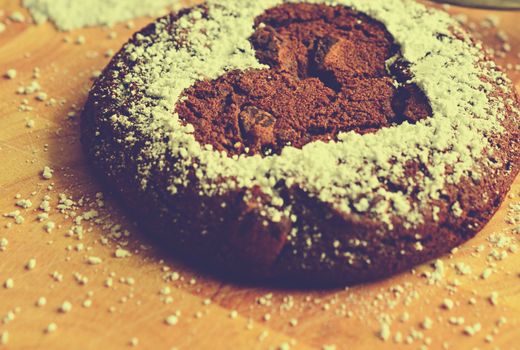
(329, 74)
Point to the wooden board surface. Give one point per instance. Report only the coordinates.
(128, 297)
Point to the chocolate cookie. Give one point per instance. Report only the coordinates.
(306, 142)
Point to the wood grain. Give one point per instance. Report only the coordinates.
(346, 318)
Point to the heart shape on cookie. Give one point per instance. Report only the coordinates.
(332, 70)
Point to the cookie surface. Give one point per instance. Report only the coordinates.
(304, 141)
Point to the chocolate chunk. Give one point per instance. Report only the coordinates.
(257, 126)
(411, 104)
(259, 241)
(325, 48)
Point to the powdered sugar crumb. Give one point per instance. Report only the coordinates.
(69, 15)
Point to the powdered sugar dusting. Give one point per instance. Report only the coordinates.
(350, 174)
(73, 14)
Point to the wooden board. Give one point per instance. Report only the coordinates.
(132, 306)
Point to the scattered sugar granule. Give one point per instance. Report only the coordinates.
(172, 320)
(42, 301)
(45, 205)
(24, 203)
(427, 323)
(4, 338)
(486, 273)
(501, 321)
(82, 280)
(438, 272)
(284, 346)
(447, 304)
(16, 215)
(49, 226)
(491, 21)
(42, 96)
(80, 40)
(30, 123)
(472, 330)
(11, 73)
(3, 244)
(87, 303)
(462, 268)
(51, 328)
(493, 298)
(10, 316)
(31, 264)
(398, 338)
(165, 290)
(42, 217)
(58, 277)
(134, 342)
(461, 18)
(502, 36)
(65, 307)
(329, 347)
(233, 314)
(94, 260)
(384, 331)
(36, 73)
(17, 16)
(9, 283)
(175, 276)
(262, 336)
(2, 27)
(456, 320)
(122, 253)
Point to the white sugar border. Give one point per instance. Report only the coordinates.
(345, 173)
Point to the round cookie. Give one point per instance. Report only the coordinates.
(303, 141)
